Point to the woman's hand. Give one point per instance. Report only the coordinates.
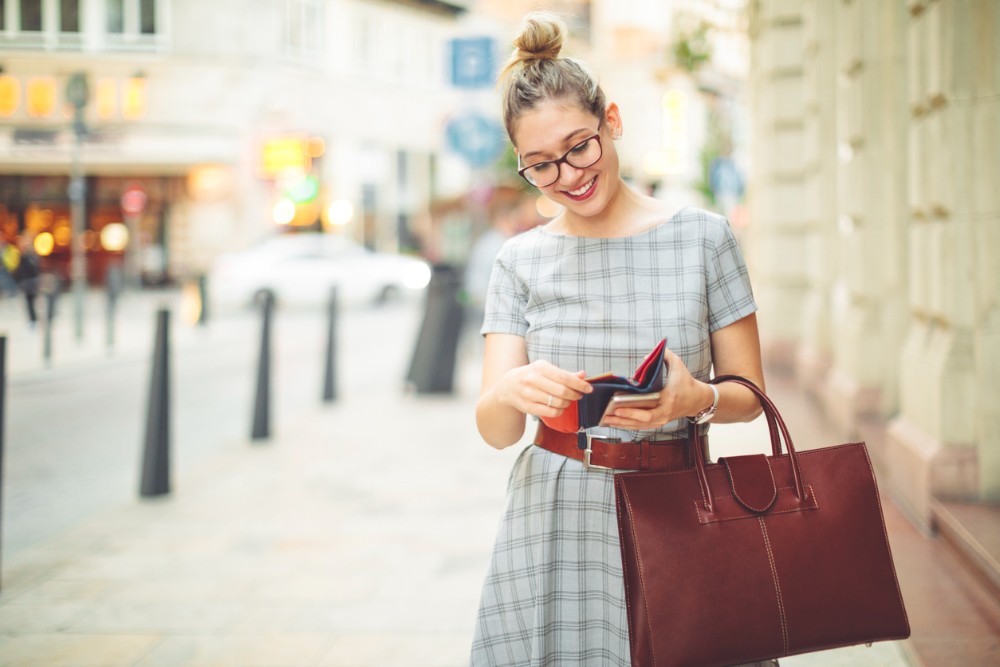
(541, 389)
(682, 396)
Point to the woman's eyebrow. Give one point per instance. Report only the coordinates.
(564, 140)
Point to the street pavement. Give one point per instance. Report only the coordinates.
(357, 535)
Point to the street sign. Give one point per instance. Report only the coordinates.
(472, 62)
(133, 200)
(476, 138)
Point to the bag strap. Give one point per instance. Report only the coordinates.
(777, 428)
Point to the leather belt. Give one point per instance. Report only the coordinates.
(617, 455)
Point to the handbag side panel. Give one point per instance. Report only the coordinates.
(834, 564)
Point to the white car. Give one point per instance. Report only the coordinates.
(300, 269)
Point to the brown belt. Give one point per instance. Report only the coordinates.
(615, 455)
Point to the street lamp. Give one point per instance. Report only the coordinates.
(77, 94)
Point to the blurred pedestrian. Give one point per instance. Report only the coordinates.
(512, 213)
(10, 257)
(26, 275)
(592, 291)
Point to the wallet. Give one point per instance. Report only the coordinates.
(586, 412)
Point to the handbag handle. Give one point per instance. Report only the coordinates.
(776, 426)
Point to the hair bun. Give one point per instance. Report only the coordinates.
(541, 37)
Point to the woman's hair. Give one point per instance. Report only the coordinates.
(536, 73)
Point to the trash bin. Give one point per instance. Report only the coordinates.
(432, 369)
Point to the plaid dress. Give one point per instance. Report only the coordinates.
(554, 593)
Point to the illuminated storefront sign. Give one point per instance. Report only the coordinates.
(10, 95)
(283, 154)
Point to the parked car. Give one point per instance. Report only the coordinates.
(300, 269)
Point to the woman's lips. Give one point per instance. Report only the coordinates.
(583, 192)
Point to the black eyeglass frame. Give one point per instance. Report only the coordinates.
(565, 158)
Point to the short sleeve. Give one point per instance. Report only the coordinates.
(506, 299)
(730, 296)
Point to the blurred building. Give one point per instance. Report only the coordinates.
(876, 217)
(223, 120)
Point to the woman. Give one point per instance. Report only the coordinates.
(592, 291)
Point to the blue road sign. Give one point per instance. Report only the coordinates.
(472, 62)
(475, 137)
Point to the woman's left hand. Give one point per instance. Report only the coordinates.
(682, 396)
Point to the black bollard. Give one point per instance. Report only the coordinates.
(330, 374)
(202, 299)
(156, 457)
(432, 367)
(3, 421)
(114, 283)
(262, 399)
(50, 316)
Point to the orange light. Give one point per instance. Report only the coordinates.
(62, 235)
(10, 95)
(315, 147)
(41, 96)
(134, 98)
(107, 98)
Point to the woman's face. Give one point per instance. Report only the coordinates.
(551, 129)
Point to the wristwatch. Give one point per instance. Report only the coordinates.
(709, 412)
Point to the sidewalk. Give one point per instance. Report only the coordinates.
(358, 536)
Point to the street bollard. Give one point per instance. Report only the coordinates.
(432, 367)
(3, 422)
(50, 316)
(114, 283)
(202, 299)
(156, 456)
(330, 374)
(262, 398)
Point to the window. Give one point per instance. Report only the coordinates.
(116, 16)
(147, 17)
(303, 35)
(31, 15)
(69, 15)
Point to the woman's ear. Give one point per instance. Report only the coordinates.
(613, 117)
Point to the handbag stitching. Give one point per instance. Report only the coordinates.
(706, 521)
(732, 485)
(642, 579)
(777, 585)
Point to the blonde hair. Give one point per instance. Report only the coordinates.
(535, 72)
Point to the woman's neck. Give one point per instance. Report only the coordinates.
(627, 213)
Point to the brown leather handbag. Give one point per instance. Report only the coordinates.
(757, 556)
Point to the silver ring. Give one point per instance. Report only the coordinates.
(549, 404)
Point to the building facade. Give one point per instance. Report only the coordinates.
(876, 223)
(216, 112)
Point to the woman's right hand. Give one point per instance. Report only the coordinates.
(541, 389)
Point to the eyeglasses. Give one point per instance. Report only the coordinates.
(581, 156)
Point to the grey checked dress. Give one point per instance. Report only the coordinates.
(554, 593)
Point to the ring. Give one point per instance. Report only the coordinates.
(549, 404)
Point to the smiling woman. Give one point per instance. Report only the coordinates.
(591, 292)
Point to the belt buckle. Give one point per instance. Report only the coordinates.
(587, 465)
